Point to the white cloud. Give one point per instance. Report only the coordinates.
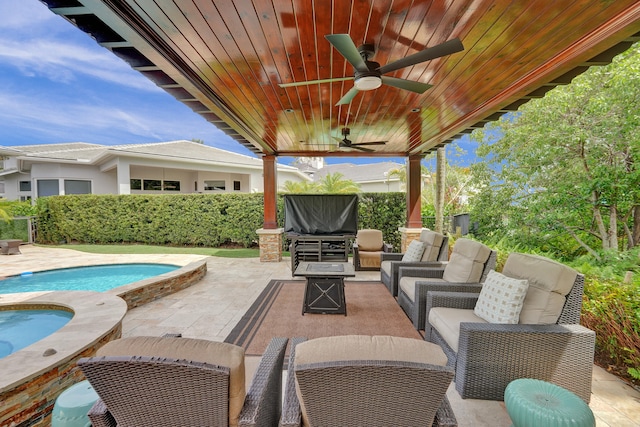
(65, 62)
(18, 14)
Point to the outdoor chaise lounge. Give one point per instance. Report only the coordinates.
(469, 265)
(169, 381)
(435, 248)
(543, 340)
(366, 381)
(368, 248)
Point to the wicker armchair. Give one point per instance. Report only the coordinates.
(488, 356)
(169, 381)
(367, 392)
(436, 250)
(469, 265)
(368, 248)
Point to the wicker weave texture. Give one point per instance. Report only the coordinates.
(146, 391)
(370, 393)
(416, 309)
(142, 391)
(490, 356)
(391, 280)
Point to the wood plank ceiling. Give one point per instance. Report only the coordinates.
(226, 58)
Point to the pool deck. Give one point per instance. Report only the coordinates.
(212, 307)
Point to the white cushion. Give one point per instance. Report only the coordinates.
(408, 284)
(549, 283)
(467, 262)
(369, 240)
(433, 242)
(414, 251)
(447, 321)
(501, 298)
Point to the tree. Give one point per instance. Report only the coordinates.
(566, 165)
(336, 184)
(4, 210)
(302, 187)
(330, 183)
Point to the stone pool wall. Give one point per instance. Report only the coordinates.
(30, 383)
(147, 290)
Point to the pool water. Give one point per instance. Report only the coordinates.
(21, 328)
(92, 278)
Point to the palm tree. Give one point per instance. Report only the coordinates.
(336, 184)
(303, 187)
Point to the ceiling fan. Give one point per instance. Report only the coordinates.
(346, 143)
(369, 75)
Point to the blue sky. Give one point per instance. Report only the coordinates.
(58, 85)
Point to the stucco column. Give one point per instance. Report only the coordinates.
(270, 236)
(123, 175)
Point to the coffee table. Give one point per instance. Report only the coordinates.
(324, 290)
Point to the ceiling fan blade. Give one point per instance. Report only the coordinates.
(348, 97)
(346, 47)
(413, 86)
(357, 147)
(311, 82)
(446, 48)
(369, 143)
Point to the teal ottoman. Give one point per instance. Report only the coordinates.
(535, 403)
(72, 406)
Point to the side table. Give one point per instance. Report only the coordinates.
(324, 289)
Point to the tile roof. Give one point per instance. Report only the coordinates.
(359, 173)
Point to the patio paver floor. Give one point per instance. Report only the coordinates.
(212, 307)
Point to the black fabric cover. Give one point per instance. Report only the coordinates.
(321, 213)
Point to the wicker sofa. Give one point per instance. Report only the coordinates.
(547, 344)
(172, 381)
(366, 381)
(436, 248)
(469, 265)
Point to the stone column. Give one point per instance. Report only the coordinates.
(408, 235)
(270, 244)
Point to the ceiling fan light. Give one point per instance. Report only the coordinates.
(368, 83)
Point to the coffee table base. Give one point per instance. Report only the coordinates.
(324, 296)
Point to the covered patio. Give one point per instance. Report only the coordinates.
(355, 79)
(212, 308)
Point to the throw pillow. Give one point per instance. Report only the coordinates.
(414, 251)
(501, 298)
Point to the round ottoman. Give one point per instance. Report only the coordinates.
(72, 406)
(534, 403)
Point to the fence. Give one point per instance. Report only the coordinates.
(454, 224)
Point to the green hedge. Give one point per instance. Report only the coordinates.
(192, 219)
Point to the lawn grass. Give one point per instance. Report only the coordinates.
(150, 249)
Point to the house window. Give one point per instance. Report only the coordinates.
(25, 186)
(25, 198)
(76, 186)
(171, 185)
(219, 185)
(48, 187)
(236, 185)
(136, 184)
(152, 184)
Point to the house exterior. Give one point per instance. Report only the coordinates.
(171, 167)
(371, 177)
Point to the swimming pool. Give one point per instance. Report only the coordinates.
(21, 328)
(90, 278)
